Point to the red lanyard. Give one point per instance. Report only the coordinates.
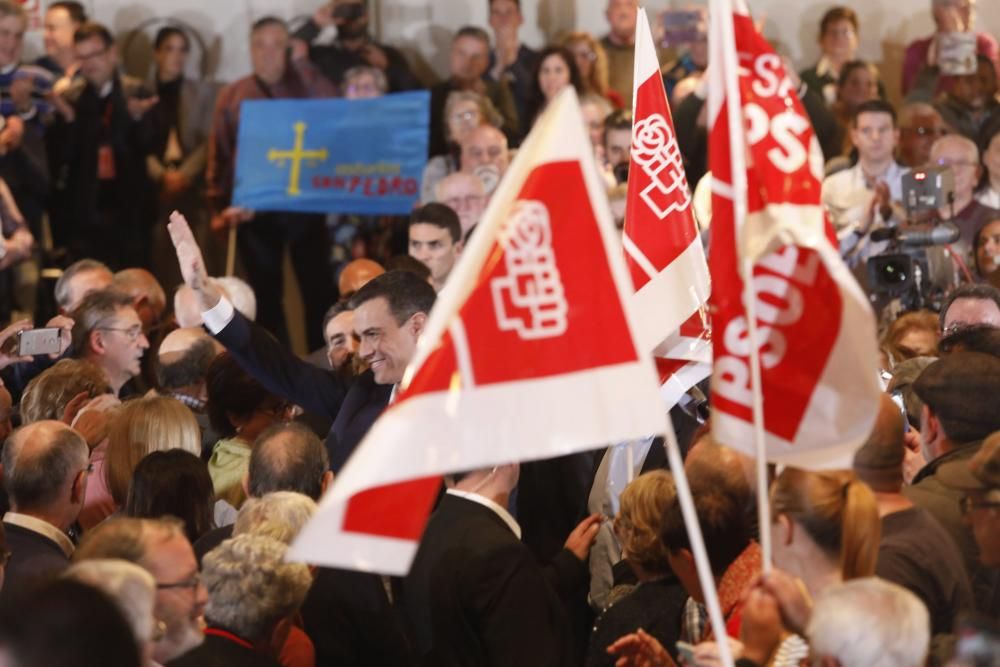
(230, 636)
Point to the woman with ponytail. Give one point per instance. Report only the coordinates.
(825, 529)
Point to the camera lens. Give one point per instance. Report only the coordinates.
(895, 273)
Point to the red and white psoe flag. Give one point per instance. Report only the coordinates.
(662, 249)
(815, 329)
(529, 353)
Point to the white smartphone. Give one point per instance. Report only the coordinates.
(34, 342)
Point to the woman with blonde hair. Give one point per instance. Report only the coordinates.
(656, 603)
(911, 335)
(825, 530)
(592, 61)
(141, 426)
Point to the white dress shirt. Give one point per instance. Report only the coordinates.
(497, 509)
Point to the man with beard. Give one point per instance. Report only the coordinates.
(353, 47)
(160, 547)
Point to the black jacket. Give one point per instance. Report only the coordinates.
(476, 596)
(322, 392)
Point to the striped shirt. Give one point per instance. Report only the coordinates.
(42, 81)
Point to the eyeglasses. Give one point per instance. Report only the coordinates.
(83, 57)
(946, 162)
(956, 327)
(192, 582)
(455, 203)
(585, 54)
(968, 504)
(132, 333)
(465, 117)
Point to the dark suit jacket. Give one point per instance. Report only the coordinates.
(351, 622)
(74, 158)
(34, 559)
(476, 596)
(221, 652)
(319, 391)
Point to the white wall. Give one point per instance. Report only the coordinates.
(423, 27)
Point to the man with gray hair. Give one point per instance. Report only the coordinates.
(78, 280)
(184, 357)
(108, 332)
(253, 594)
(160, 547)
(961, 155)
(45, 468)
(868, 622)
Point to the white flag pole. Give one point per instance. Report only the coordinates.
(702, 564)
(721, 13)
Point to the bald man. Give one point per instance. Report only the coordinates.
(962, 156)
(45, 469)
(915, 551)
(355, 274)
(187, 307)
(184, 357)
(466, 195)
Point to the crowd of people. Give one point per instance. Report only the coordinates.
(159, 460)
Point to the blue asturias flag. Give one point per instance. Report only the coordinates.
(333, 155)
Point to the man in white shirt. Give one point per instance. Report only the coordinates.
(860, 199)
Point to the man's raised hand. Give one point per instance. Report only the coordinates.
(191, 263)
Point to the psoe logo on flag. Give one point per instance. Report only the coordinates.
(532, 286)
(655, 150)
(295, 157)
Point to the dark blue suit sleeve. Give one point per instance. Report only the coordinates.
(280, 371)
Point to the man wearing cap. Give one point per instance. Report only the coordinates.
(960, 409)
(914, 550)
(978, 479)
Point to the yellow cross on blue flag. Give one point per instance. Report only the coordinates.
(364, 157)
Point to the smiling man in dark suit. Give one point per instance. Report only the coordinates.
(389, 314)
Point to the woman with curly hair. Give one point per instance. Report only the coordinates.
(656, 602)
